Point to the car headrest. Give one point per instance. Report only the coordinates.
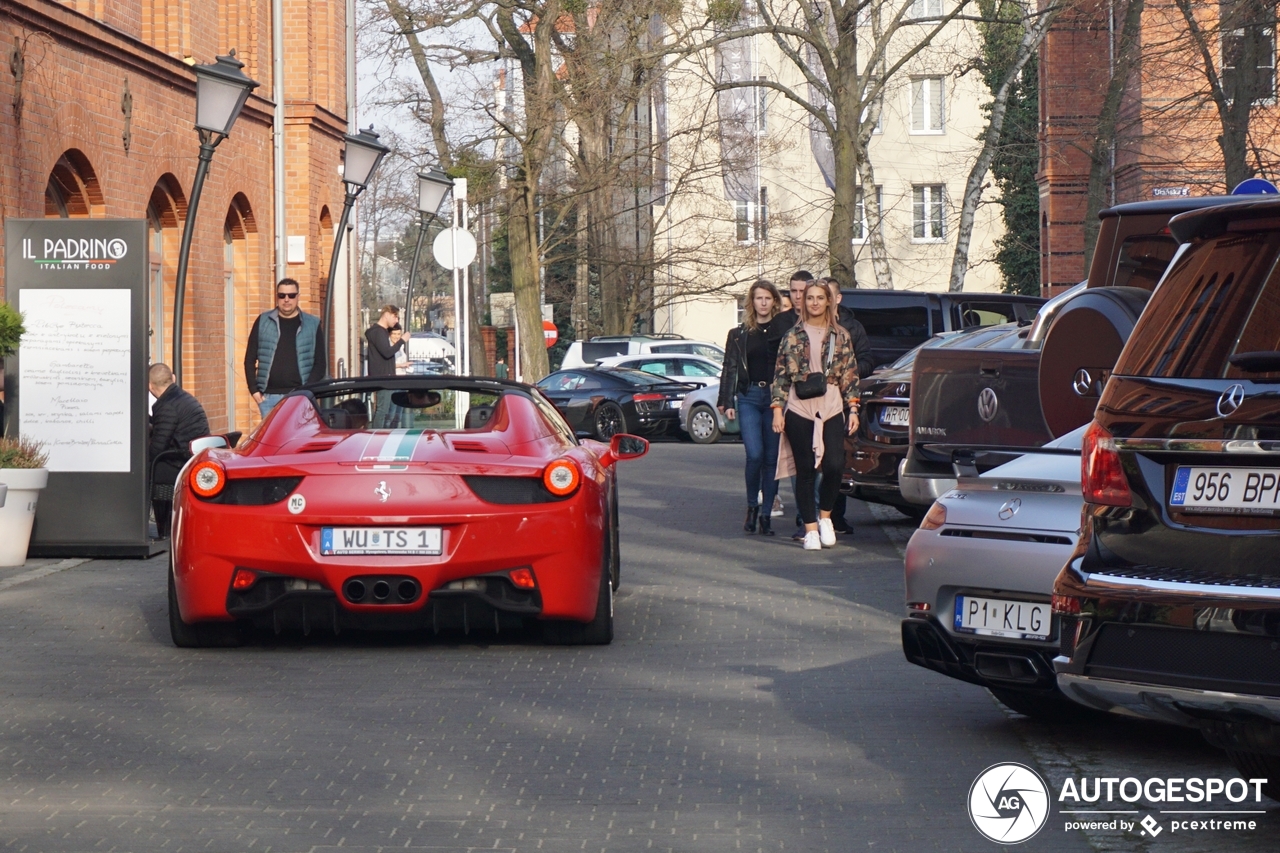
(477, 417)
(336, 418)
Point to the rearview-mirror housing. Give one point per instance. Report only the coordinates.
(208, 442)
(626, 446)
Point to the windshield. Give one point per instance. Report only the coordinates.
(408, 409)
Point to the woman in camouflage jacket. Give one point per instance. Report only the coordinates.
(814, 429)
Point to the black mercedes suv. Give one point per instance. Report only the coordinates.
(1170, 604)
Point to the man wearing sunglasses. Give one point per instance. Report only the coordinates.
(285, 351)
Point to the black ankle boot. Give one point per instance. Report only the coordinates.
(766, 525)
(749, 526)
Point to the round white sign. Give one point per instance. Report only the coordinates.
(442, 248)
(1008, 803)
(297, 503)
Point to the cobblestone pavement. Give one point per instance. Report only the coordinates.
(756, 699)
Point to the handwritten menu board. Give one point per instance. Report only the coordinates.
(75, 376)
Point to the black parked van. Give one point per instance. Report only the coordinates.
(1171, 601)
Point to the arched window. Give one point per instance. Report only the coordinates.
(73, 189)
(240, 260)
(166, 211)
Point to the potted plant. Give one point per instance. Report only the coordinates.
(11, 330)
(22, 462)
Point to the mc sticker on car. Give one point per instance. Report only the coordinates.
(297, 503)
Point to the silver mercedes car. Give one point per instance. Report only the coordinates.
(980, 572)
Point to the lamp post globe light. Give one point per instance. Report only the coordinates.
(221, 91)
(433, 186)
(362, 155)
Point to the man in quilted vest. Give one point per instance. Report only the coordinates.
(286, 349)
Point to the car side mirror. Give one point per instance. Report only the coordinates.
(208, 442)
(624, 446)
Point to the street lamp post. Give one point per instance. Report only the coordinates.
(362, 155)
(221, 91)
(433, 186)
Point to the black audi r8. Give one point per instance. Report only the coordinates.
(604, 401)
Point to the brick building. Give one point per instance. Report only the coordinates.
(1168, 127)
(97, 105)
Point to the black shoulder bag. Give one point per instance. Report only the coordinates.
(815, 384)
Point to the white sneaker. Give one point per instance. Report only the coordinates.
(826, 532)
(812, 542)
(776, 512)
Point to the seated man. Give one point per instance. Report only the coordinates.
(177, 419)
(359, 412)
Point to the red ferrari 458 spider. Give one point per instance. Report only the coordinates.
(472, 505)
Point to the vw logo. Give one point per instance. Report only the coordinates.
(988, 405)
(382, 491)
(1082, 384)
(1230, 399)
(1009, 509)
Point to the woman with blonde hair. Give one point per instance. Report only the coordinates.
(750, 355)
(815, 381)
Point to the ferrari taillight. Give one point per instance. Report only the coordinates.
(243, 579)
(1102, 476)
(562, 477)
(207, 478)
(522, 578)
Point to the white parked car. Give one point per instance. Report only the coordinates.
(700, 418)
(588, 352)
(674, 366)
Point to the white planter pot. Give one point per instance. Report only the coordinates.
(19, 511)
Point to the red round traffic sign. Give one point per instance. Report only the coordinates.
(550, 332)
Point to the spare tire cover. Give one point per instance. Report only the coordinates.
(1080, 349)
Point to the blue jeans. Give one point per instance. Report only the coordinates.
(755, 419)
(268, 403)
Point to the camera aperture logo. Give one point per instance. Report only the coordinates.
(1008, 803)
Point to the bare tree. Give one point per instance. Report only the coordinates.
(1003, 18)
(847, 52)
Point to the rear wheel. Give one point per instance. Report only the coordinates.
(609, 421)
(703, 426)
(1257, 765)
(615, 546)
(199, 635)
(597, 632)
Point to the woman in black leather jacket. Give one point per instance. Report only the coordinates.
(750, 354)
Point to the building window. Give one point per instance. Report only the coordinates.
(927, 105)
(927, 222)
(751, 219)
(861, 227)
(1248, 49)
(925, 10)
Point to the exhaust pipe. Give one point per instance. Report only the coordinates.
(407, 590)
(355, 591)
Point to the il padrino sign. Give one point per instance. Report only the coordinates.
(78, 383)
